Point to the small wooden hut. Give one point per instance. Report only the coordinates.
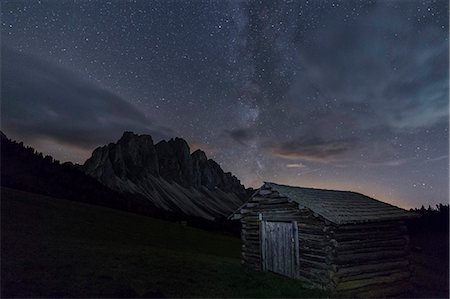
(344, 242)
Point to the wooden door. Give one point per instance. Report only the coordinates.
(279, 247)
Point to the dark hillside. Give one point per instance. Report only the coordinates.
(25, 169)
(58, 248)
(430, 251)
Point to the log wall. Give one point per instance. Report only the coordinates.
(351, 260)
(315, 247)
(372, 259)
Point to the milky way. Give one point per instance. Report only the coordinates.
(349, 95)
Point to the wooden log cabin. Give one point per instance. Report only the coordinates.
(344, 242)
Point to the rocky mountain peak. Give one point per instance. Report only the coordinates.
(174, 160)
(129, 164)
(199, 154)
(133, 157)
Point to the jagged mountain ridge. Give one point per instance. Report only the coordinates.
(24, 168)
(168, 175)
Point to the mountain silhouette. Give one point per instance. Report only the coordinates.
(168, 175)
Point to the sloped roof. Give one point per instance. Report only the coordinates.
(342, 207)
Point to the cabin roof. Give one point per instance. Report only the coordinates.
(340, 207)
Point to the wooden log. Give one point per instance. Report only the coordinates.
(316, 258)
(264, 192)
(277, 204)
(309, 217)
(317, 242)
(252, 250)
(400, 230)
(341, 246)
(370, 225)
(367, 249)
(259, 199)
(391, 230)
(250, 226)
(383, 291)
(280, 218)
(376, 273)
(364, 268)
(251, 223)
(277, 200)
(373, 281)
(362, 236)
(371, 249)
(251, 243)
(312, 237)
(247, 232)
(250, 219)
(250, 229)
(310, 264)
(278, 197)
(250, 240)
(313, 240)
(278, 209)
(314, 252)
(277, 212)
(311, 223)
(320, 251)
(273, 194)
(318, 232)
(318, 226)
(360, 257)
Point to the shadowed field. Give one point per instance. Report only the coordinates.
(60, 248)
(431, 265)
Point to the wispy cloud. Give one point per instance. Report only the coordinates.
(296, 165)
(241, 135)
(443, 157)
(312, 150)
(43, 100)
(391, 163)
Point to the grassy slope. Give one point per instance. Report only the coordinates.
(57, 248)
(431, 264)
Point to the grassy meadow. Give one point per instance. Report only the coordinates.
(59, 248)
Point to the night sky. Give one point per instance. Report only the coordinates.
(349, 95)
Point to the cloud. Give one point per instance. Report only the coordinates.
(312, 150)
(296, 165)
(42, 100)
(436, 159)
(377, 74)
(382, 62)
(390, 163)
(240, 135)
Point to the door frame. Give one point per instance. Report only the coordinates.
(295, 244)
